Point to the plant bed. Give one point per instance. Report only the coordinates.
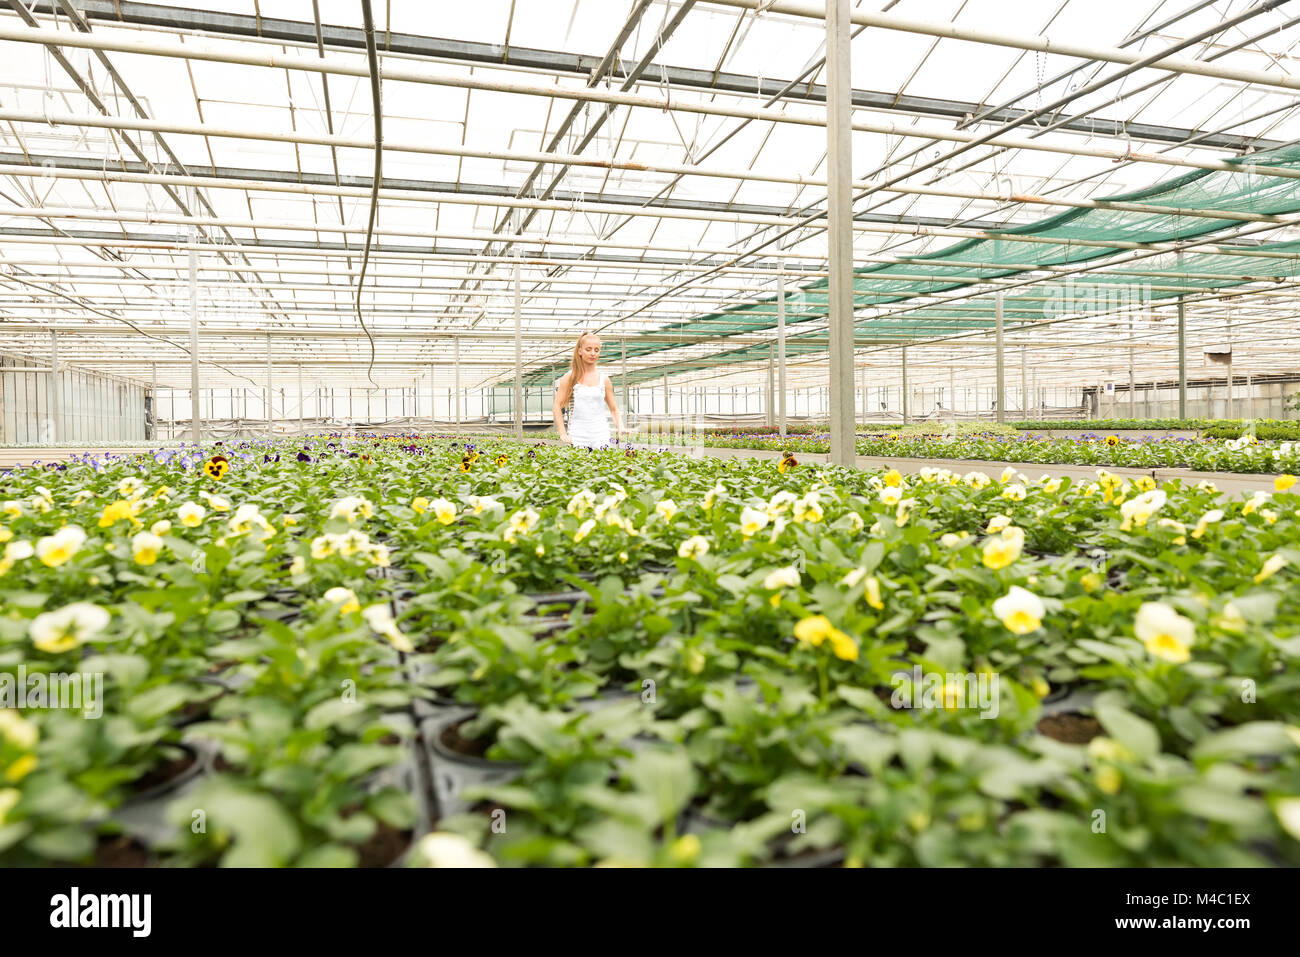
(454, 764)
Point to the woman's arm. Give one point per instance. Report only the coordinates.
(557, 411)
(613, 406)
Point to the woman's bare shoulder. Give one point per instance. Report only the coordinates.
(564, 378)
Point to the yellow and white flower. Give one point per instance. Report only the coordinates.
(1014, 492)
(1179, 529)
(345, 598)
(580, 502)
(1166, 634)
(778, 578)
(446, 849)
(808, 509)
(1000, 551)
(1020, 610)
(381, 621)
(247, 517)
(666, 508)
(816, 629)
(15, 552)
(443, 510)
(997, 523)
(72, 625)
(1209, 518)
(146, 547)
(584, 530)
(130, 487)
(219, 503)
(752, 521)
(482, 503)
(17, 730)
(191, 514)
(1271, 567)
(1255, 502)
(693, 547)
(54, 550)
(711, 496)
(123, 510)
(1140, 509)
(351, 508)
(520, 523)
(891, 495)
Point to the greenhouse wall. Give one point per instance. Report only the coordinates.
(88, 407)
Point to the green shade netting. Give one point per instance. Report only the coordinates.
(1054, 241)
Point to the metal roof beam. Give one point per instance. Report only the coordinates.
(578, 64)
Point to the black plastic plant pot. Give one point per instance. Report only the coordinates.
(143, 815)
(454, 772)
(1074, 701)
(405, 777)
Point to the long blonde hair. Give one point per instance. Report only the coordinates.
(575, 370)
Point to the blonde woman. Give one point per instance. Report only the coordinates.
(587, 393)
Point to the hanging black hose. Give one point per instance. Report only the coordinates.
(372, 55)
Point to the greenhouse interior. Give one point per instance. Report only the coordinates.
(650, 433)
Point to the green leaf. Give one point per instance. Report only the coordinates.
(126, 670)
(395, 808)
(262, 832)
(151, 705)
(666, 775)
(1137, 734)
(330, 712)
(1247, 740)
(71, 843)
(329, 855)
(222, 619)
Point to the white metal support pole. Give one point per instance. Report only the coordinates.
(733, 397)
(153, 397)
(1182, 360)
(999, 397)
(782, 421)
(53, 393)
(1229, 406)
(455, 358)
(302, 402)
(270, 412)
(952, 390)
(839, 232)
(432, 413)
(194, 336)
(1024, 383)
(518, 402)
(1250, 398)
(626, 405)
(1132, 394)
(906, 408)
(769, 407)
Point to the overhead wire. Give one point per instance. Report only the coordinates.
(372, 57)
